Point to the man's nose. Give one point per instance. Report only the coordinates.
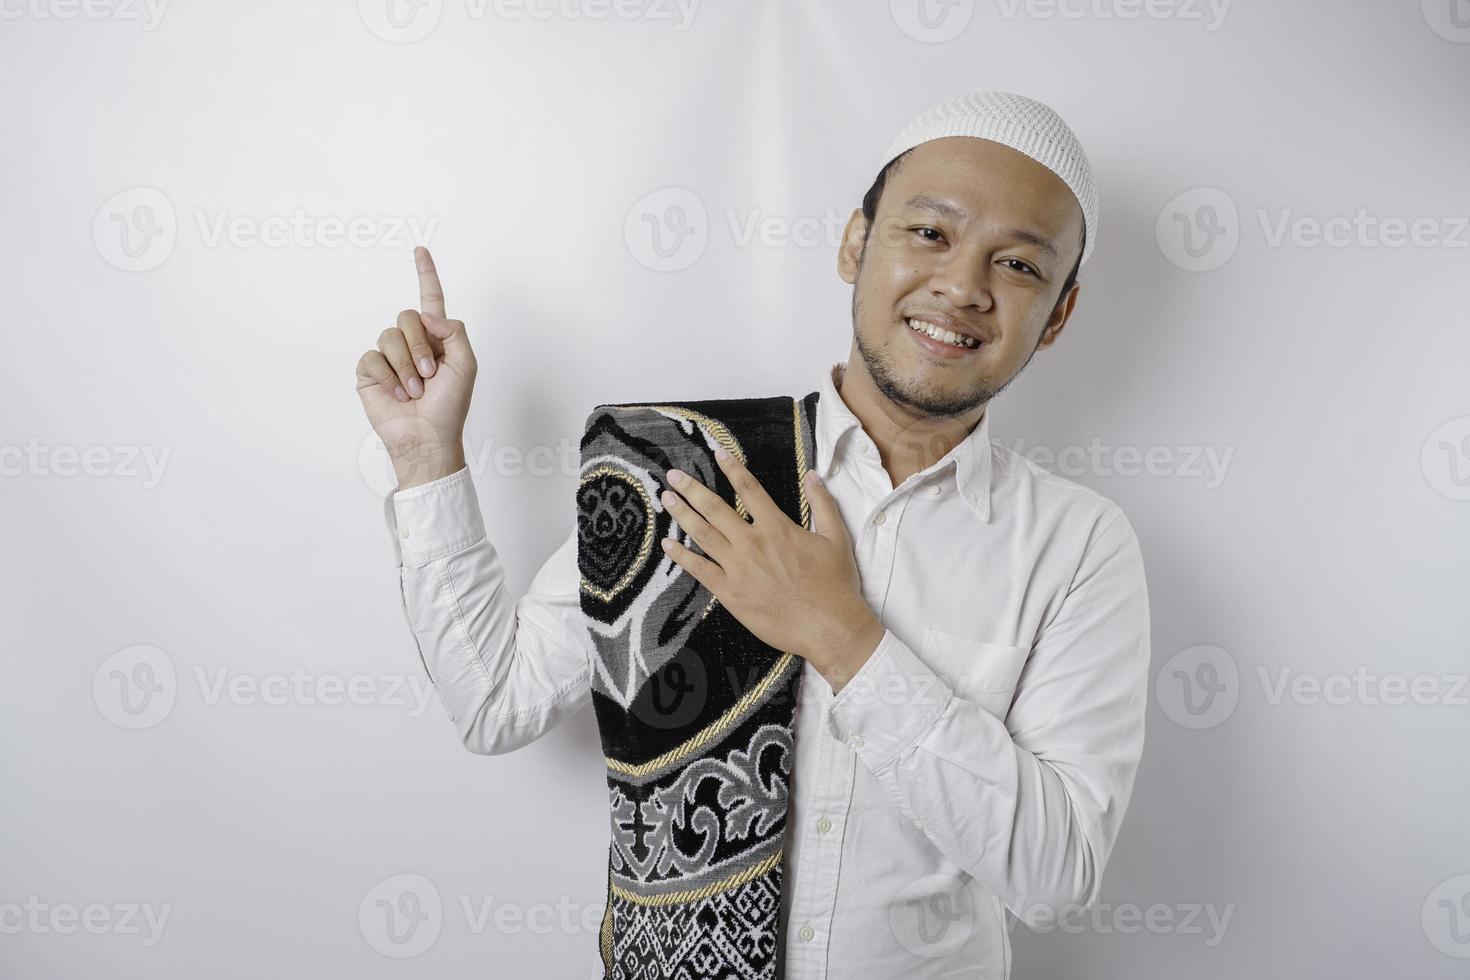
(963, 278)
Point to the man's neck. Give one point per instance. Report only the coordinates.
(905, 444)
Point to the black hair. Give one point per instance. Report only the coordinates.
(870, 210)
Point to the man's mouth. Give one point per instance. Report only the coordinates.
(939, 334)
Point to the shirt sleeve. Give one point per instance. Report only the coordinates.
(1031, 805)
(507, 670)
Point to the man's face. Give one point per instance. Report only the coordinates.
(973, 231)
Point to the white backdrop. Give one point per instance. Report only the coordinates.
(220, 752)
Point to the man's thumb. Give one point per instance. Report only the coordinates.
(826, 519)
(451, 332)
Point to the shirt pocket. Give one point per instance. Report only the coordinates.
(977, 670)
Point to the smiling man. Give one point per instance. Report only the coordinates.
(974, 631)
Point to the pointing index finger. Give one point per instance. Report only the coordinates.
(431, 294)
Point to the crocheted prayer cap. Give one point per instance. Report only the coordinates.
(1023, 124)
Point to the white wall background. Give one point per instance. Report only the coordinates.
(1324, 547)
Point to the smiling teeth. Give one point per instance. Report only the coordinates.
(939, 333)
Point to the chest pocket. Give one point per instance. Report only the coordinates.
(977, 670)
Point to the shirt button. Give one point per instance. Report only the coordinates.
(836, 468)
(864, 447)
(807, 932)
(879, 518)
(823, 825)
(855, 739)
(403, 533)
(933, 489)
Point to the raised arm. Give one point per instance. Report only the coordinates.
(507, 670)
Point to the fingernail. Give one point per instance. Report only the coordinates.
(426, 366)
(720, 454)
(415, 387)
(676, 477)
(400, 394)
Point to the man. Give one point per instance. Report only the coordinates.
(975, 630)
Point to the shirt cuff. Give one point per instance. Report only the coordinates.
(435, 519)
(892, 701)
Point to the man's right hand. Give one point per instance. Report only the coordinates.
(416, 387)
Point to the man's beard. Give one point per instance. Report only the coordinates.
(922, 400)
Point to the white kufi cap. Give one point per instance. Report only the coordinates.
(1023, 124)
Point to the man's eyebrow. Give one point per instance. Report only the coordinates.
(938, 205)
(925, 202)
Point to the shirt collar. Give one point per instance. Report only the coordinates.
(970, 458)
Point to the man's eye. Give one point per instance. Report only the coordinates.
(1023, 267)
(934, 232)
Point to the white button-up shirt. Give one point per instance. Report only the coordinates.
(977, 766)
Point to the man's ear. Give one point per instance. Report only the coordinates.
(849, 255)
(1060, 314)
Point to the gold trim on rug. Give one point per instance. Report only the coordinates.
(801, 463)
(695, 894)
(711, 731)
(605, 934)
